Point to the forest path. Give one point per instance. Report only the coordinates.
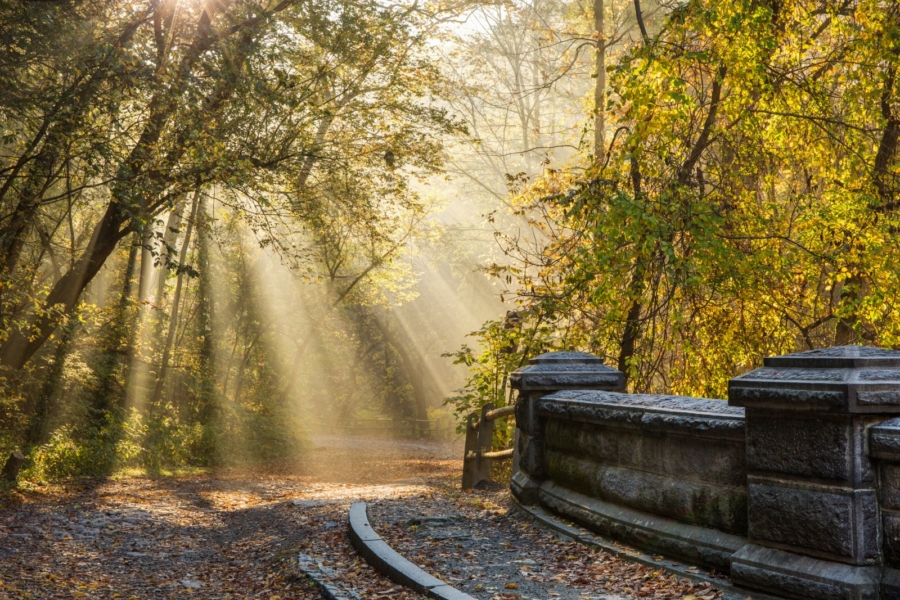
(237, 534)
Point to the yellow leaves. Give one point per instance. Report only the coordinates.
(511, 586)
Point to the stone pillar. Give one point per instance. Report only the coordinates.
(814, 527)
(544, 375)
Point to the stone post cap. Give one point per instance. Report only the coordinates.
(844, 379)
(566, 371)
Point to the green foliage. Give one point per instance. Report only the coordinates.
(163, 442)
(747, 206)
(92, 451)
(444, 423)
(262, 130)
(503, 348)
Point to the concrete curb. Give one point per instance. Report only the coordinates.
(583, 536)
(385, 560)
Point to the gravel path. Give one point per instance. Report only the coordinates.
(481, 545)
(238, 534)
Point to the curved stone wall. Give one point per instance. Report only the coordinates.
(675, 457)
(792, 486)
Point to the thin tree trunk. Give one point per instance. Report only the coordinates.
(170, 237)
(239, 380)
(295, 370)
(176, 302)
(600, 84)
(146, 264)
(856, 287)
(632, 330)
(639, 17)
(206, 407)
(635, 290)
(113, 350)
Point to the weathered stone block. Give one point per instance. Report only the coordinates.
(649, 413)
(717, 507)
(597, 442)
(697, 545)
(868, 532)
(531, 456)
(566, 370)
(524, 488)
(722, 463)
(714, 506)
(695, 459)
(790, 444)
(526, 412)
(802, 577)
(864, 468)
(825, 522)
(884, 440)
(890, 585)
(891, 537)
(640, 452)
(579, 474)
(846, 379)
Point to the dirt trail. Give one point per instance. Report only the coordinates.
(227, 535)
(237, 534)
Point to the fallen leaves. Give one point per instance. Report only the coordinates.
(238, 535)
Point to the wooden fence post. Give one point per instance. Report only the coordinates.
(470, 452)
(479, 458)
(482, 468)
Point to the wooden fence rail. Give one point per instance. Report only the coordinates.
(478, 457)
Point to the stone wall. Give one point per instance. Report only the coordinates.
(672, 457)
(884, 448)
(791, 487)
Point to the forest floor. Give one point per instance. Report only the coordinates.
(237, 534)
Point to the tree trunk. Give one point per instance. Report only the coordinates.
(632, 331)
(295, 370)
(146, 279)
(113, 349)
(600, 84)
(635, 289)
(20, 347)
(170, 237)
(176, 302)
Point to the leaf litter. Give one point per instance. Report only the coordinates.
(239, 533)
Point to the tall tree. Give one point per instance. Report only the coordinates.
(235, 96)
(747, 206)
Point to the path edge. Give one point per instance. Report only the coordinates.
(386, 560)
(586, 537)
